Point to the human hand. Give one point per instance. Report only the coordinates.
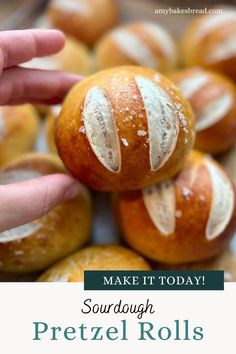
(19, 85)
(23, 202)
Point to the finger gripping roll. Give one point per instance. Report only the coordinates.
(124, 128)
(38, 244)
(188, 218)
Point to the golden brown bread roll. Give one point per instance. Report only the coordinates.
(144, 44)
(189, 218)
(210, 41)
(85, 20)
(74, 58)
(124, 128)
(213, 99)
(50, 127)
(38, 244)
(224, 261)
(99, 257)
(18, 131)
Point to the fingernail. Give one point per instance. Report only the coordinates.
(73, 191)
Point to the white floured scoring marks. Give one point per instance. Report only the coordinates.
(134, 47)
(17, 175)
(46, 63)
(159, 200)
(224, 50)
(190, 85)
(213, 112)
(212, 22)
(163, 39)
(73, 6)
(101, 130)
(2, 125)
(222, 202)
(163, 124)
(20, 232)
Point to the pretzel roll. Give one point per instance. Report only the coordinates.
(18, 131)
(86, 20)
(225, 261)
(74, 58)
(210, 41)
(213, 99)
(189, 218)
(50, 128)
(145, 44)
(99, 257)
(38, 244)
(124, 128)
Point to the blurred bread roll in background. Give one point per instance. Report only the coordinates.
(18, 131)
(213, 99)
(86, 20)
(210, 41)
(50, 128)
(99, 257)
(145, 44)
(74, 58)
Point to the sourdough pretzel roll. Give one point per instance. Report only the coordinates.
(144, 44)
(74, 58)
(124, 128)
(18, 131)
(86, 20)
(50, 128)
(210, 41)
(99, 257)
(189, 218)
(213, 99)
(225, 260)
(38, 244)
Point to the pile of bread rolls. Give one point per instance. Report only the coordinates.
(129, 128)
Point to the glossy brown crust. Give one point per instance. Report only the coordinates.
(120, 86)
(65, 229)
(108, 54)
(86, 28)
(225, 260)
(194, 52)
(219, 137)
(21, 128)
(99, 257)
(188, 242)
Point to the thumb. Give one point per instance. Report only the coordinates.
(26, 201)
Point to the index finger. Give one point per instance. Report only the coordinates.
(19, 46)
